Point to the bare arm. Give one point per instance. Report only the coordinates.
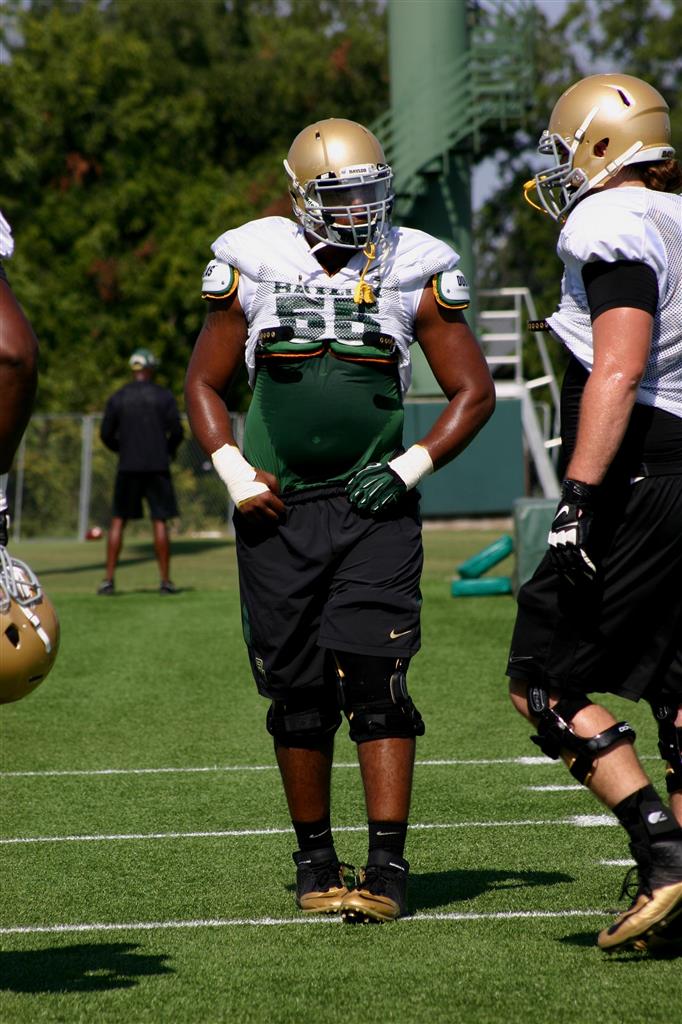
(458, 365)
(18, 374)
(621, 341)
(217, 355)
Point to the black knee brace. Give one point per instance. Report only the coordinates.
(555, 733)
(669, 744)
(308, 718)
(373, 696)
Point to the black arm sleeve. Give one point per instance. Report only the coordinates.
(3, 275)
(622, 283)
(174, 431)
(108, 430)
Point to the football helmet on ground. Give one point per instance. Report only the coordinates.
(29, 630)
(598, 126)
(340, 184)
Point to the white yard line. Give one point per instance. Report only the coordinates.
(543, 762)
(437, 763)
(554, 789)
(577, 820)
(240, 922)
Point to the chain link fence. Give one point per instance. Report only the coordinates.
(62, 481)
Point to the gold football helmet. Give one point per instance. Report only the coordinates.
(599, 125)
(340, 183)
(29, 630)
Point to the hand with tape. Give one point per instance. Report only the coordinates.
(569, 537)
(255, 492)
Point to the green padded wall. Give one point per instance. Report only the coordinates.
(488, 475)
(532, 519)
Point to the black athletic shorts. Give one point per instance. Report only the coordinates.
(328, 578)
(623, 635)
(156, 488)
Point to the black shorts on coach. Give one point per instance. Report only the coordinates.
(624, 634)
(156, 488)
(328, 578)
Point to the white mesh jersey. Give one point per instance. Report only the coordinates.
(6, 240)
(630, 223)
(281, 282)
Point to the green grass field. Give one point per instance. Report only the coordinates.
(146, 849)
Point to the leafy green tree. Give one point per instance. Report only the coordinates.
(133, 134)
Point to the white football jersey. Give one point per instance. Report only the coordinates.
(6, 240)
(282, 284)
(631, 223)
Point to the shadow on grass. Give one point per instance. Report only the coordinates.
(438, 888)
(659, 948)
(146, 554)
(82, 968)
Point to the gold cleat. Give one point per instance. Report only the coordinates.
(646, 921)
(380, 893)
(320, 885)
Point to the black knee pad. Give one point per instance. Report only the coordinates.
(669, 744)
(555, 734)
(308, 718)
(373, 696)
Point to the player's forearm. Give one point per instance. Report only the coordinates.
(17, 387)
(458, 424)
(605, 412)
(209, 418)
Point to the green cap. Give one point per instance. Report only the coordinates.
(143, 359)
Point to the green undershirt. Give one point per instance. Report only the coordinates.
(316, 420)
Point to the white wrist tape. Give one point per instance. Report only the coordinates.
(237, 474)
(413, 465)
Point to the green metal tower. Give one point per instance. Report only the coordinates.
(448, 80)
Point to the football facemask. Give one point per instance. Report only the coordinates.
(29, 630)
(351, 211)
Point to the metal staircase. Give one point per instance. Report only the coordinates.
(492, 82)
(501, 332)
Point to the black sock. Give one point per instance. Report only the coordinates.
(313, 835)
(388, 835)
(646, 818)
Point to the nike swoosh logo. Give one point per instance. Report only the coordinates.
(520, 657)
(394, 636)
(387, 833)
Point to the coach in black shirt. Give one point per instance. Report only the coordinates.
(141, 422)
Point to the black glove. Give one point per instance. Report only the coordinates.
(375, 487)
(569, 534)
(4, 527)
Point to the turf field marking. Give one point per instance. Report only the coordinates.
(450, 762)
(554, 789)
(578, 820)
(241, 922)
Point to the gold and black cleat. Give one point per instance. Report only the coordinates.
(320, 884)
(380, 893)
(655, 915)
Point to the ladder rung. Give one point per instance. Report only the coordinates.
(503, 360)
(553, 442)
(539, 382)
(501, 336)
(497, 314)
